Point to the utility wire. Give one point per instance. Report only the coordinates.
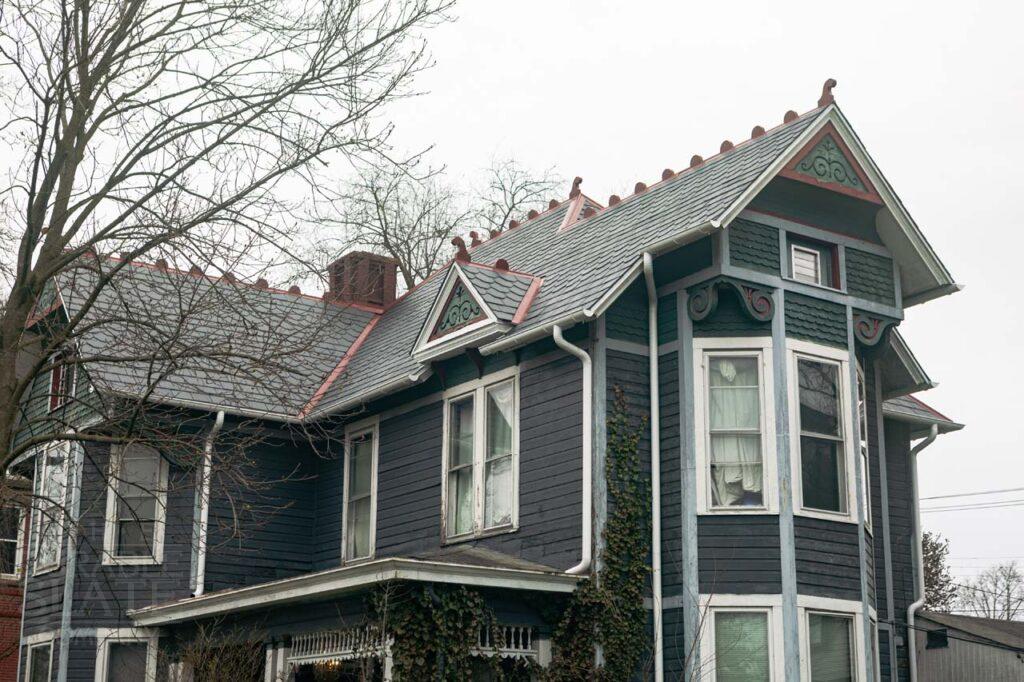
(980, 492)
(972, 507)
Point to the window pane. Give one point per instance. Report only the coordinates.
(741, 647)
(357, 535)
(460, 501)
(10, 522)
(126, 662)
(819, 397)
(831, 649)
(734, 394)
(360, 467)
(134, 538)
(137, 509)
(460, 430)
(498, 493)
(140, 474)
(49, 540)
(823, 474)
(499, 420)
(55, 476)
(39, 664)
(736, 470)
(8, 557)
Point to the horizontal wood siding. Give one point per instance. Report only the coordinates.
(330, 468)
(671, 478)
(755, 246)
(827, 558)
(901, 531)
(739, 554)
(626, 319)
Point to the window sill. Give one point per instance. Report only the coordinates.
(826, 515)
(131, 561)
(822, 287)
(43, 570)
(490, 532)
(360, 560)
(738, 511)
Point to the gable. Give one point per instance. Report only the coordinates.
(460, 310)
(826, 162)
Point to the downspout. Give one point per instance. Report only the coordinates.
(76, 455)
(588, 380)
(918, 555)
(652, 341)
(204, 503)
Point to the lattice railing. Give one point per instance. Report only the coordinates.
(507, 641)
(338, 645)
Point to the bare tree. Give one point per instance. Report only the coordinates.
(509, 191)
(997, 593)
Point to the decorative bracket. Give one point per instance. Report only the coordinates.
(757, 301)
(870, 330)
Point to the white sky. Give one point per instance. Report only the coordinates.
(617, 91)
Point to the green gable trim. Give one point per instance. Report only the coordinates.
(827, 164)
(754, 246)
(460, 310)
(815, 320)
(869, 276)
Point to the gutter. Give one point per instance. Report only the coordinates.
(652, 340)
(583, 566)
(918, 555)
(204, 504)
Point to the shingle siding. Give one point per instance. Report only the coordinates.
(870, 276)
(755, 246)
(827, 558)
(730, 319)
(815, 319)
(626, 319)
(739, 554)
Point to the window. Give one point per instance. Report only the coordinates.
(62, 379)
(38, 662)
(10, 541)
(481, 459)
(125, 655)
(742, 646)
(865, 464)
(136, 506)
(813, 262)
(830, 639)
(822, 460)
(735, 451)
(937, 639)
(50, 488)
(360, 492)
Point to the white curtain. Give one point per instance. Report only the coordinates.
(735, 421)
(498, 472)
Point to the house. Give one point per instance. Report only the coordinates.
(955, 647)
(741, 312)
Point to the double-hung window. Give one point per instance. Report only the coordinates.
(125, 655)
(136, 506)
(10, 541)
(51, 477)
(820, 410)
(360, 491)
(736, 440)
(831, 644)
(481, 459)
(38, 662)
(742, 645)
(863, 450)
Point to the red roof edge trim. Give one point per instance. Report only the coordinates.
(340, 368)
(930, 409)
(573, 213)
(524, 305)
(485, 266)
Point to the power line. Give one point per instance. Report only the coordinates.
(977, 507)
(980, 492)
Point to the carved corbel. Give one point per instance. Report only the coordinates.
(869, 329)
(757, 301)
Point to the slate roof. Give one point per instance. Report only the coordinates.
(502, 291)
(1006, 632)
(910, 409)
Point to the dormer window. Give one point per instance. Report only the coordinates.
(813, 262)
(460, 310)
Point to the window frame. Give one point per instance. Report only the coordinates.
(19, 545)
(352, 432)
(838, 608)
(864, 445)
(704, 349)
(107, 636)
(156, 557)
(38, 504)
(38, 642)
(822, 250)
(478, 389)
(769, 604)
(61, 375)
(797, 350)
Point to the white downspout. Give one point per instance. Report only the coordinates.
(588, 381)
(918, 555)
(204, 503)
(652, 342)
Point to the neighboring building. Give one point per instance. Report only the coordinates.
(13, 527)
(473, 405)
(954, 648)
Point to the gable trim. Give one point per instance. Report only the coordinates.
(340, 368)
(828, 130)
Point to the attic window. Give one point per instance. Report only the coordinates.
(460, 311)
(813, 262)
(62, 379)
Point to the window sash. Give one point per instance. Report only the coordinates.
(39, 664)
(360, 508)
(839, 664)
(50, 490)
(810, 467)
(742, 660)
(136, 505)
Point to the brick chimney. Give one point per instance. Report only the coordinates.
(361, 277)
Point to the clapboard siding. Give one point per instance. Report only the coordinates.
(330, 468)
(901, 530)
(671, 477)
(82, 659)
(739, 554)
(827, 558)
(627, 318)
(550, 485)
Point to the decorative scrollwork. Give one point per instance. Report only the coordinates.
(460, 311)
(826, 163)
(870, 330)
(703, 301)
(757, 301)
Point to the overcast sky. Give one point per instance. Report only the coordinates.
(617, 91)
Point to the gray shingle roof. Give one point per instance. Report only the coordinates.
(910, 409)
(501, 291)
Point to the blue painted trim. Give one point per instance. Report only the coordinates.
(75, 489)
(688, 481)
(787, 540)
(883, 473)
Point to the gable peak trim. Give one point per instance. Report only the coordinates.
(833, 166)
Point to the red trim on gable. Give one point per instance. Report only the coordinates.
(524, 305)
(340, 367)
(931, 409)
(870, 193)
(573, 213)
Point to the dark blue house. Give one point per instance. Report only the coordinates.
(745, 307)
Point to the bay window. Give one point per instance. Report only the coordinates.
(481, 458)
(831, 649)
(360, 506)
(50, 486)
(136, 506)
(821, 429)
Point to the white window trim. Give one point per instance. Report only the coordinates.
(804, 349)
(36, 641)
(55, 402)
(361, 428)
(19, 546)
(704, 347)
(107, 636)
(806, 605)
(110, 527)
(768, 604)
(478, 389)
(37, 512)
(864, 447)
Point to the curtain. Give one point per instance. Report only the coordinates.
(498, 471)
(741, 647)
(460, 467)
(831, 651)
(735, 421)
(126, 662)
